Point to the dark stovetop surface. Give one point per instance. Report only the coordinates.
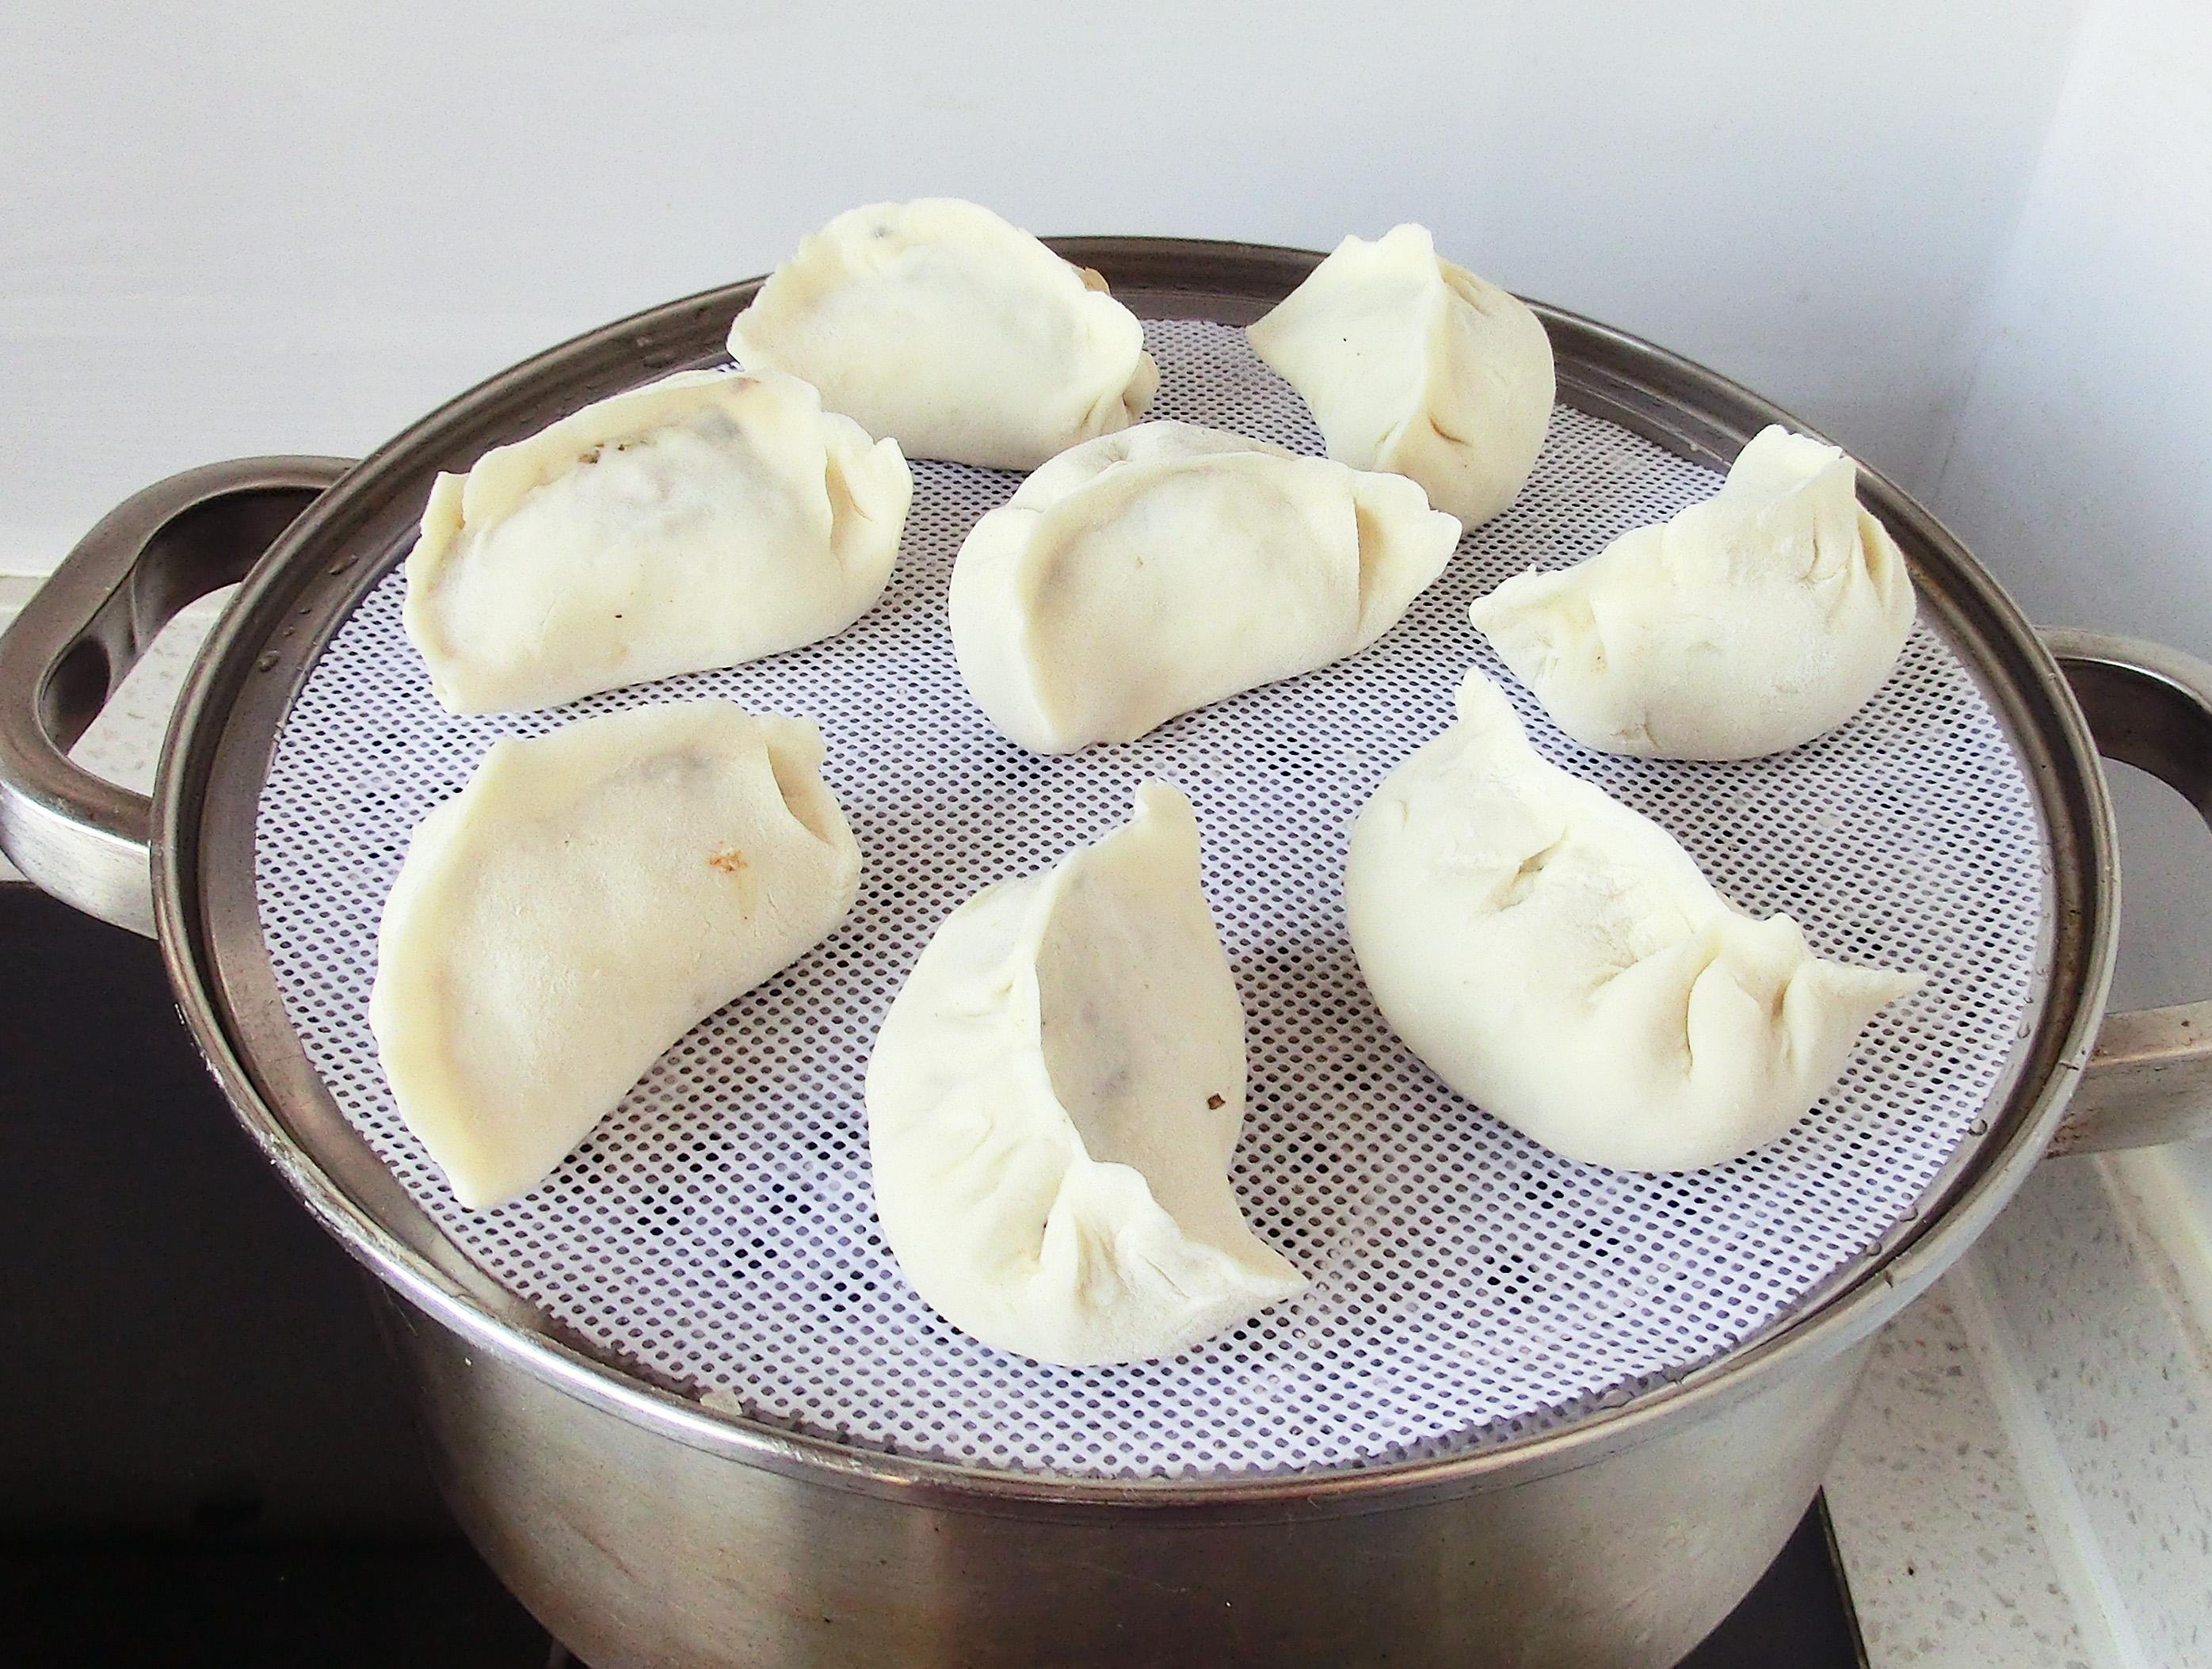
(430, 1604)
(205, 1454)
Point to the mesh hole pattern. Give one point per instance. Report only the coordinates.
(717, 1232)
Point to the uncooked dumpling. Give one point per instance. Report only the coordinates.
(1149, 572)
(585, 900)
(1053, 1102)
(1561, 961)
(1761, 618)
(698, 522)
(1412, 364)
(965, 337)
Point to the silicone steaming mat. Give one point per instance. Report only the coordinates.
(717, 1229)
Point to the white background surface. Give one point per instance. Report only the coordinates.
(2080, 462)
(267, 226)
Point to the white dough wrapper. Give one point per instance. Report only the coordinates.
(585, 900)
(937, 323)
(1561, 961)
(1759, 619)
(698, 522)
(1148, 572)
(1053, 1102)
(1413, 365)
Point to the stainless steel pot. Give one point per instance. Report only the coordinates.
(644, 1529)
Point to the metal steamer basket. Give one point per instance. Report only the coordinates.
(647, 1524)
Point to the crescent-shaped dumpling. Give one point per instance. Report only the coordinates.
(698, 522)
(585, 900)
(1053, 1102)
(1412, 364)
(1145, 573)
(1560, 960)
(965, 337)
(1758, 619)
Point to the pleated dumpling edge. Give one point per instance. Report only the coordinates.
(1752, 622)
(586, 898)
(696, 522)
(1053, 1102)
(1412, 364)
(937, 323)
(1561, 961)
(1149, 572)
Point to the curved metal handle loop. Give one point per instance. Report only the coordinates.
(76, 836)
(2150, 1079)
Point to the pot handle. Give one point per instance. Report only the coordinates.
(2150, 1078)
(76, 836)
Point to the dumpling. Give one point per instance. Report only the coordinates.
(585, 900)
(1561, 961)
(966, 338)
(1144, 574)
(1052, 1105)
(1413, 365)
(1761, 618)
(696, 522)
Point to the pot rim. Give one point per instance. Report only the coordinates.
(221, 725)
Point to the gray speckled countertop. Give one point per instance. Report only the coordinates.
(1947, 1563)
(2023, 1481)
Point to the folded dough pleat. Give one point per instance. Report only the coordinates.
(1755, 620)
(1053, 1102)
(586, 899)
(1413, 365)
(937, 323)
(1560, 960)
(1146, 573)
(698, 522)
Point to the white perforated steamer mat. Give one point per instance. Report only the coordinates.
(1467, 1286)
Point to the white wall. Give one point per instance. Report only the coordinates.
(2081, 467)
(2080, 470)
(266, 227)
